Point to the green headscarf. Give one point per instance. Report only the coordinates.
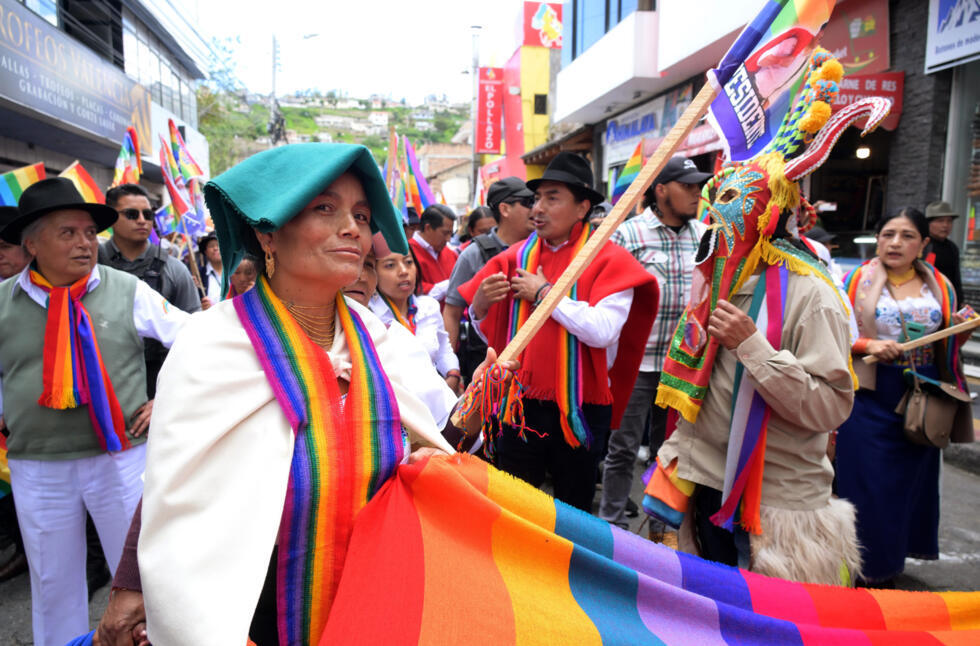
(270, 188)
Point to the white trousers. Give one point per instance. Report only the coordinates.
(52, 497)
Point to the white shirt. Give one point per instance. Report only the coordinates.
(439, 289)
(153, 316)
(214, 286)
(596, 326)
(429, 330)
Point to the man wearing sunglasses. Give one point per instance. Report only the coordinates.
(510, 200)
(131, 251)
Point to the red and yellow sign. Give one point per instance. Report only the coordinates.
(542, 24)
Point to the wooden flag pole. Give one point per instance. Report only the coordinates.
(935, 336)
(652, 168)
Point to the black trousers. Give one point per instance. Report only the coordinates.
(717, 543)
(573, 470)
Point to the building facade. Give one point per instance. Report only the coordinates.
(75, 75)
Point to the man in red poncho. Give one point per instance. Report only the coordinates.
(578, 370)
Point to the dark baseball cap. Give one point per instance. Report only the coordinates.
(681, 169)
(505, 189)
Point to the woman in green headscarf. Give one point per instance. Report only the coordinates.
(281, 412)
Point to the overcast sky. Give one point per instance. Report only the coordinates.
(405, 48)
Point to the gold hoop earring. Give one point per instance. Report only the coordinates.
(270, 264)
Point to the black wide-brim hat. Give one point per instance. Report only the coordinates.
(574, 170)
(7, 215)
(54, 194)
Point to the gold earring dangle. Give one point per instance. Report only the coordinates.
(270, 264)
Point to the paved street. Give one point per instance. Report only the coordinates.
(958, 567)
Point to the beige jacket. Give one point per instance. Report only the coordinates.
(217, 465)
(806, 382)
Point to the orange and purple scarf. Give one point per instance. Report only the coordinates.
(407, 321)
(568, 391)
(73, 373)
(345, 450)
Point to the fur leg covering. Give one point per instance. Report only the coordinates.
(809, 546)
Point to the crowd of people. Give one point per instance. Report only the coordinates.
(335, 340)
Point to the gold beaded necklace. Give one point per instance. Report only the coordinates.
(897, 279)
(319, 327)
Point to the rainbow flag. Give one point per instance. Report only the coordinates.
(629, 173)
(182, 156)
(129, 166)
(762, 71)
(13, 183)
(83, 182)
(174, 182)
(426, 198)
(453, 551)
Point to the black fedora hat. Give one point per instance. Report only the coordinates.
(7, 215)
(574, 170)
(55, 194)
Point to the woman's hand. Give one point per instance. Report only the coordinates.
(205, 303)
(526, 285)
(884, 349)
(493, 289)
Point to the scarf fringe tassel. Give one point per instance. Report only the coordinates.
(497, 397)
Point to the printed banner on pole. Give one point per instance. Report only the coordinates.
(490, 102)
(760, 74)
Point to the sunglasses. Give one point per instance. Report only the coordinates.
(526, 202)
(134, 214)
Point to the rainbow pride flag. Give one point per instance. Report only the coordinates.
(629, 173)
(84, 183)
(425, 195)
(13, 183)
(188, 167)
(452, 551)
(129, 165)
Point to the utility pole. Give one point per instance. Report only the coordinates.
(475, 72)
(277, 124)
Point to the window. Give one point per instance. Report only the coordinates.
(540, 104)
(590, 20)
(47, 9)
(97, 24)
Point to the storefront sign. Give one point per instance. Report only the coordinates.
(952, 33)
(889, 85)
(857, 35)
(542, 24)
(490, 102)
(650, 121)
(49, 72)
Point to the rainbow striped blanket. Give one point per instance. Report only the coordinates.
(452, 551)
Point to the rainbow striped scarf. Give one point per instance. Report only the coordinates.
(568, 391)
(73, 373)
(409, 321)
(453, 530)
(344, 451)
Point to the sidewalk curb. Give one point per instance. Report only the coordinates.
(964, 456)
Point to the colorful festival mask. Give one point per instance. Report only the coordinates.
(754, 207)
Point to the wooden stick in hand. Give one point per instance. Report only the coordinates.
(935, 336)
(625, 205)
